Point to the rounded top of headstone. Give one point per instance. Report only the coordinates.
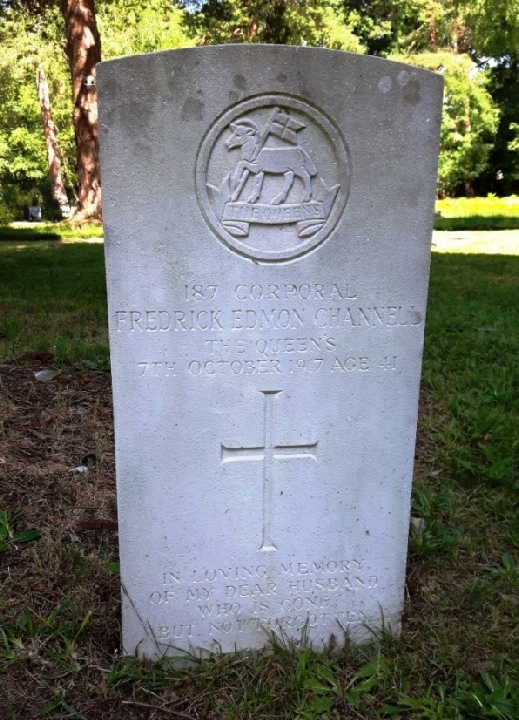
(273, 177)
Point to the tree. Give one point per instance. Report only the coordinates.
(53, 153)
(469, 121)
(484, 34)
(32, 34)
(287, 22)
(27, 41)
(140, 28)
(486, 31)
(495, 41)
(83, 50)
(412, 26)
(494, 27)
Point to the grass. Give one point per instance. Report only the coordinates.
(504, 242)
(53, 299)
(21, 232)
(490, 213)
(457, 656)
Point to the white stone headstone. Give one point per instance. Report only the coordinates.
(268, 214)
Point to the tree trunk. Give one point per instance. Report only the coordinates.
(469, 188)
(433, 42)
(83, 50)
(53, 155)
(460, 37)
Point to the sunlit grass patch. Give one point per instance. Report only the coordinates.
(488, 213)
(494, 242)
(481, 206)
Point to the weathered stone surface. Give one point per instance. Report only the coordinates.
(268, 216)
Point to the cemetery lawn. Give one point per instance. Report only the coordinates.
(59, 596)
(24, 231)
(489, 213)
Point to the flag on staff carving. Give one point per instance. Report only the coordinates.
(284, 126)
(281, 125)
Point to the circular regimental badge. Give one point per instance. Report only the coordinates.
(273, 177)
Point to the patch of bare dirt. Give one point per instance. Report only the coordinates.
(57, 467)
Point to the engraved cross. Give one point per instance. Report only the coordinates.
(267, 454)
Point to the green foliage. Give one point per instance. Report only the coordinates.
(489, 207)
(514, 144)
(428, 33)
(288, 22)
(484, 28)
(309, 679)
(508, 570)
(480, 409)
(494, 27)
(487, 697)
(140, 28)
(9, 536)
(59, 632)
(29, 37)
(439, 535)
(50, 231)
(503, 172)
(490, 213)
(410, 26)
(27, 40)
(427, 707)
(291, 680)
(469, 120)
(7, 215)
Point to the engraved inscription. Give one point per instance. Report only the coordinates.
(345, 620)
(234, 367)
(247, 598)
(196, 292)
(286, 318)
(174, 632)
(274, 329)
(199, 292)
(157, 369)
(226, 624)
(291, 291)
(343, 364)
(273, 163)
(267, 454)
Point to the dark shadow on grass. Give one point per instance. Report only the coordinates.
(496, 222)
(9, 234)
(48, 231)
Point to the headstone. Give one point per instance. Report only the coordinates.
(34, 213)
(268, 214)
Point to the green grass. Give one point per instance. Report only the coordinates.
(490, 213)
(471, 362)
(505, 242)
(53, 299)
(457, 656)
(49, 231)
